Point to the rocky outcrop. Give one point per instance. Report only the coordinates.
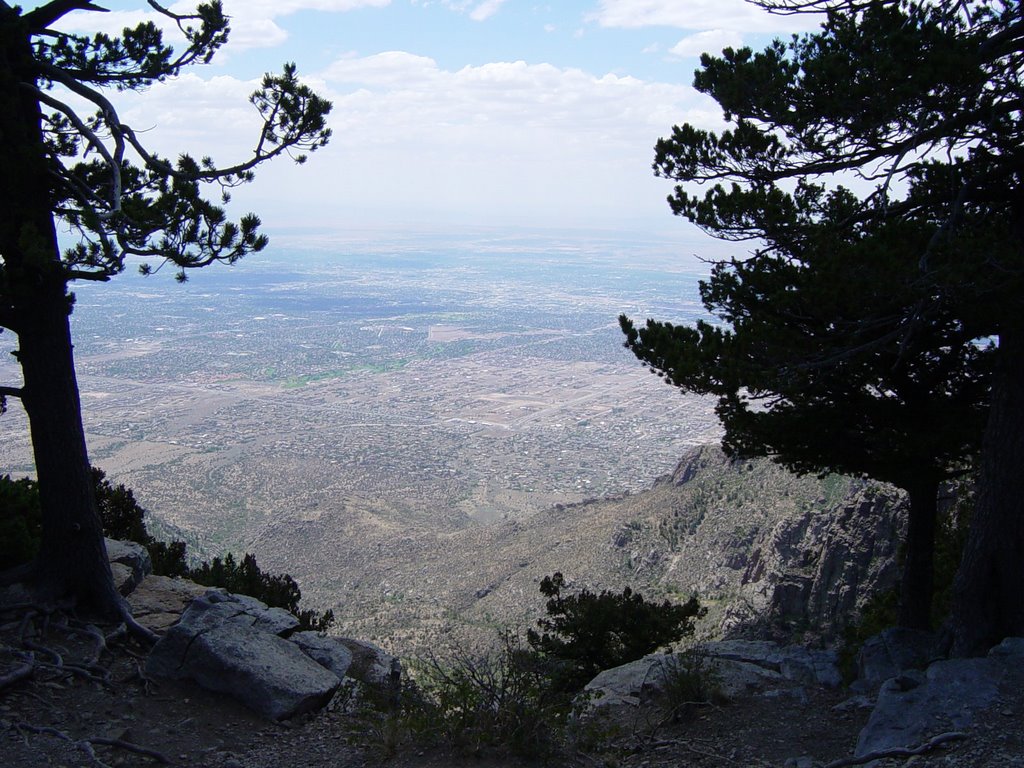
(949, 696)
(730, 669)
(892, 652)
(236, 645)
(159, 601)
(129, 564)
(819, 568)
(776, 554)
(232, 646)
(796, 663)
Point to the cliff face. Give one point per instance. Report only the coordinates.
(770, 553)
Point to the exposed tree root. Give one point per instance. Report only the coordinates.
(881, 754)
(87, 745)
(143, 634)
(37, 621)
(20, 672)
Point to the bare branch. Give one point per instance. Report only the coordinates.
(41, 18)
(114, 163)
(929, 745)
(82, 274)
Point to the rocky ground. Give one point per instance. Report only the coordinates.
(66, 714)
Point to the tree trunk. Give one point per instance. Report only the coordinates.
(72, 560)
(988, 596)
(919, 565)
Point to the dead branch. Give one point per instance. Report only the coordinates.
(87, 744)
(881, 754)
(160, 757)
(83, 745)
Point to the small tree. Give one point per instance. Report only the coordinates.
(590, 632)
(68, 158)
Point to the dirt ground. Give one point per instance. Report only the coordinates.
(67, 715)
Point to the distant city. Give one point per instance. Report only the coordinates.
(472, 378)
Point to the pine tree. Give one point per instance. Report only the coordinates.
(93, 174)
(920, 102)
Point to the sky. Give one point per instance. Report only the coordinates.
(454, 113)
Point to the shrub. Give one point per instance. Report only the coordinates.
(502, 700)
(690, 680)
(589, 632)
(20, 522)
(123, 518)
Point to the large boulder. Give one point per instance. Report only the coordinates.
(329, 652)
(891, 652)
(796, 663)
(231, 644)
(159, 601)
(951, 695)
(371, 664)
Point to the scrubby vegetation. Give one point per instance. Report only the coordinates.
(585, 633)
(124, 519)
(525, 698)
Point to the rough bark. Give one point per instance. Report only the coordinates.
(919, 565)
(72, 561)
(988, 598)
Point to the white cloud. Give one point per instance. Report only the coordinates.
(497, 143)
(698, 15)
(507, 139)
(505, 96)
(486, 9)
(710, 41)
(252, 21)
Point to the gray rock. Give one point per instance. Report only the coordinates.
(820, 567)
(248, 610)
(129, 562)
(627, 685)
(266, 673)
(891, 652)
(916, 706)
(371, 664)
(796, 663)
(159, 601)
(326, 651)
(229, 645)
(1011, 648)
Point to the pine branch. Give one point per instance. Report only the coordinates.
(41, 18)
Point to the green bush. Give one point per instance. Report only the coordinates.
(122, 518)
(586, 632)
(246, 578)
(20, 522)
(690, 680)
(499, 701)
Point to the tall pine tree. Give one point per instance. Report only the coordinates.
(921, 101)
(68, 158)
